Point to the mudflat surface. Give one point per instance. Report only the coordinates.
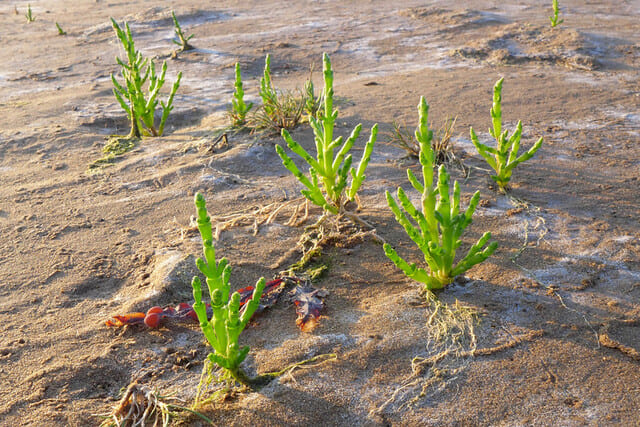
(545, 332)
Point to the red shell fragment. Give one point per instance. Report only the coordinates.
(184, 311)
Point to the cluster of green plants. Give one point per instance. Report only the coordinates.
(138, 94)
(280, 109)
(436, 225)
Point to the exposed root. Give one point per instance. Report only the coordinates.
(452, 343)
(542, 229)
(240, 381)
(141, 405)
(327, 231)
(262, 215)
(540, 225)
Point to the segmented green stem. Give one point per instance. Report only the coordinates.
(227, 321)
(436, 228)
(239, 109)
(330, 168)
(504, 158)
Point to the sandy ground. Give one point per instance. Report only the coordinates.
(556, 329)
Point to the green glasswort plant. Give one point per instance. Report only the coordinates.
(556, 11)
(267, 90)
(139, 104)
(327, 187)
(228, 321)
(504, 157)
(61, 32)
(239, 108)
(440, 223)
(29, 14)
(180, 40)
(312, 105)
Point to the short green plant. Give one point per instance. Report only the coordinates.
(329, 171)
(279, 110)
(440, 223)
(140, 104)
(239, 108)
(228, 321)
(267, 90)
(29, 14)
(504, 158)
(180, 39)
(61, 32)
(556, 11)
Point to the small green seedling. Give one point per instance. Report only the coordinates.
(228, 321)
(239, 108)
(180, 40)
(61, 32)
(267, 90)
(439, 221)
(140, 104)
(556, 11)
(29, 14)
(329, 171)
(504, 158)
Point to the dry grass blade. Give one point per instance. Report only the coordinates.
(284, 111)
(442, 144)
(402, 138)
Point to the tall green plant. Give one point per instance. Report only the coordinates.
(239, 108)
(438, 225)
(223, 329)
(329, 170)
(504, 158)
(140, 104)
